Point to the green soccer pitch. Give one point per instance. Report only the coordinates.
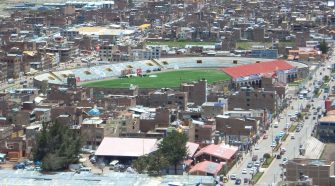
(162, 79)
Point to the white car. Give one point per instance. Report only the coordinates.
(233, 176)
(257, 164)
(244, 171)
(256, 147)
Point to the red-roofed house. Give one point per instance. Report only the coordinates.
(217, 153)
(207, 168)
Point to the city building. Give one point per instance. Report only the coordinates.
(321, 172)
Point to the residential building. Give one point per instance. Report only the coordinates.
(320, 171)
(196, 91)
(249, 98)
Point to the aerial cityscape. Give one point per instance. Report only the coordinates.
(167, 92)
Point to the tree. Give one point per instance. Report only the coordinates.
(173, 148)
(156, 162)
(323, 47)
(57, 146)
(326, 78)
(141, 164)
(266, 156)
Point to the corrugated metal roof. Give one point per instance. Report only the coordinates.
(257, 68)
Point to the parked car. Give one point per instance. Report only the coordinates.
(238, 181)
(19, 166)
(244, 171)
(233, 176)
(250, 164)
(257, 164)
(254, 158)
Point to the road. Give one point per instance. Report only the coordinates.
(272, 174)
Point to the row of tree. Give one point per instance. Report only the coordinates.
(171, 152)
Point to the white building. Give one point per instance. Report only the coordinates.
(151, 52)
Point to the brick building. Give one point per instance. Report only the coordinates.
(249, 98)
(196, 91)
(320, 171)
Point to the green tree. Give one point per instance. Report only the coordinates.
(57, 146)
(173, 148)
(323, 47)
(156, 162)
(266, 156)
(326, 78)
(141, 164)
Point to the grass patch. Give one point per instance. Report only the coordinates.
(295, 83)
(268, 162)
(256, 177)
(179, 43)
(292, 128)
(284, 137)
(164, 79)
(277, 147)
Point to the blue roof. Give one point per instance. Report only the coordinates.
(94, 112)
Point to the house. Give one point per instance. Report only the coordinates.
(217, 153)
(206, 168)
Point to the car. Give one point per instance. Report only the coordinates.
(254, 158)
(287, 126)
(257, 164)
(250, 165)
(253, 170)
(274, 144)
(278, 156)
(246, 180)
(292, 136)
(238, 181)
(244, 171)
(265, 136)
(281, 133)
(256, 147)
(275, 125)
(233, 176)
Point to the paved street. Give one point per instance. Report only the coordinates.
(272, 174)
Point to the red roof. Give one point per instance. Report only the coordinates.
(207, 167)
(220, 151)
(257, 68)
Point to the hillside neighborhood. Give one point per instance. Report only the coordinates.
(128, 92)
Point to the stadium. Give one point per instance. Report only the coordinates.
(180, 69)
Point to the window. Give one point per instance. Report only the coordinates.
(248, 105)
(248, 99)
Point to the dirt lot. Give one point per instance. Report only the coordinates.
(329, 152)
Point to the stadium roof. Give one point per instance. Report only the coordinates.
(257, 68)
